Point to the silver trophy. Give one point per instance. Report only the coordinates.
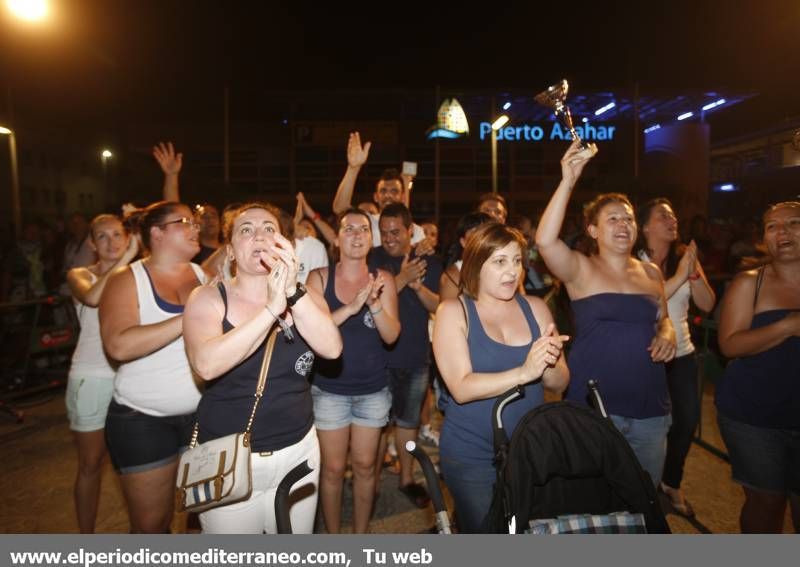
(555, 98)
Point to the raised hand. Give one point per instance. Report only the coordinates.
(307, 210)
(544, 353)
(424, 247)
(170, 162)
(356, 153)
(573, 161)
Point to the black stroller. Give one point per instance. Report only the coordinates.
(567, 469)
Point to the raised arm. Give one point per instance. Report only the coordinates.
(80, 280)
(124, 337)
(563, 262)
(323, 227)
(736, 338)
(171, 164)
(452, 357)
(356, 157)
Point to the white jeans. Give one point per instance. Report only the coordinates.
(256, 515)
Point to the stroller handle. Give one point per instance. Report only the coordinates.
(498, 432)
(432, 480)
(596, 400)
(282, 519)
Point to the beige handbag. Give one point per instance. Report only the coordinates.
(217, 472)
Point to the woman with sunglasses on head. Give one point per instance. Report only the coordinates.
(623, 333)
(152, 412)
(684, 281)
(351, 395)
(758, 398)
(91, 377)
(226, 329)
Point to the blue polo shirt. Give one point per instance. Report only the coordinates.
(412, 349)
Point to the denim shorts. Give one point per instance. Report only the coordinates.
(762, 458)
(138, 442)
(408, 387)
(337, 411)
(87, 402)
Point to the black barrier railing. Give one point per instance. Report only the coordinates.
(711, 368)
(37, 338)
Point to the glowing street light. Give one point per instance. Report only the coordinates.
(501, 121)
(106, 154)
(29, 10)
(15, 206)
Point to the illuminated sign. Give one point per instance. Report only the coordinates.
(554, 131)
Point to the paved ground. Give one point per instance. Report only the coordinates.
(39, 460)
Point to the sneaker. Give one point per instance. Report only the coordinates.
(428, 435)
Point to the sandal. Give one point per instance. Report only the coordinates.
(678, 501)
(416, 493)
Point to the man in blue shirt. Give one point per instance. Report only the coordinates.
(417, 281)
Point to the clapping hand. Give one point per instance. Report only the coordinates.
(412, 271)
(688, 263)
(544, 354)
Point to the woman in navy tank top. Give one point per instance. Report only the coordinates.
(226, 328)
(495, 340)
(623, 335)
(758, 398)
(351, 396)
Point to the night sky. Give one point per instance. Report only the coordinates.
(105, 62)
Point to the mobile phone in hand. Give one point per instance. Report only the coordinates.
(410, 168)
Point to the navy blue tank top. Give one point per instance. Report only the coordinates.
(764, 389)
(467, 429)
(285, 413)
(361, 369)
(612, 333)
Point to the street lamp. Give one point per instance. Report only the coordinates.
(501, 121)
(15, 208)
(30, 10)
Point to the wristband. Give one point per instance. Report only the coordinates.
(375, 312)
(316, 217)
(695, 276)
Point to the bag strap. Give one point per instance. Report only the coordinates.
(260, 387)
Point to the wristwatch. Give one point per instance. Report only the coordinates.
(299, 292)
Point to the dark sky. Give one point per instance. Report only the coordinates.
(108, 61)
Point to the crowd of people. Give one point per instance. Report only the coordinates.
(373, 323)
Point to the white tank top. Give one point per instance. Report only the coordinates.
(160, 383)
(89, 360)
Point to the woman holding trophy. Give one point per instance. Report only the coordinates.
(623, 333)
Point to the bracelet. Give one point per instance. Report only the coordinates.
(287, 330)
(695, 276)
(375, 312)
(316, 217)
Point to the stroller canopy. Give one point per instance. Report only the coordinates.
(566, 459)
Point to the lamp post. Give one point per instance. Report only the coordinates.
(105, 155)
(496, 125)
(15, 206)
